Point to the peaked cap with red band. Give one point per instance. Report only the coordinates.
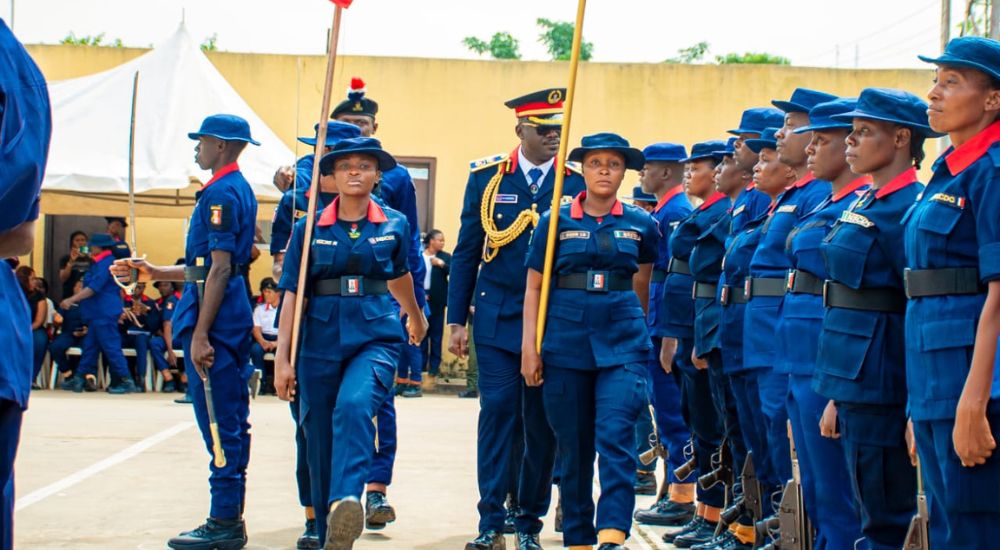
(356, 102)
(542, 108)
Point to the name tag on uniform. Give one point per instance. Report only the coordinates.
(382, 239)
(958, 202)
(574, 235)
(788, 208)
(299, 214)
(506, 199)
(634, 235)
(324, 242)
(854, 218)
(673, 225)
(739, 210)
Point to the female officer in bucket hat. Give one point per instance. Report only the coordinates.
(594, 376)
(952, 244)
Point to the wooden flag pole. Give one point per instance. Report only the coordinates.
(550, 241)
(314, 184)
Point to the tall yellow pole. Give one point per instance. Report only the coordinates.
(550, 241)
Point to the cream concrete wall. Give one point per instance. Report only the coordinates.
(453, 110)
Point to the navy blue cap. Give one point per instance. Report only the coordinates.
(638, 195)
(356, 102)
(118, 219)
(765, 141)
(102, 240)
(665, 152)
(608, 142)
(819, 116)
(803, 100)
(756, 119)
(357, 146)
(974, 52)
(895, 106)
(226, 128)
(335, 131)
(727, 151)
(705, 150)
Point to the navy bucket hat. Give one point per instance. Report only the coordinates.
(727, 151)
(820, 117)
(765, 141)
(803, 100)
(756, 119)
(226, 128)
(638, 195)
(889, 105)
(335, 131)
(102, 240)
(357, 146)
(705, 150)
(665, 152)
(973, 52)
(634, 160)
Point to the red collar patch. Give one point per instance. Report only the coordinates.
(972, 150)
(905, 179)
(512, 160)
(224, 171)
(673, 192)
(576, 207)
(716, 197)
(804, 181)
(852, 187)
(102, 255)
(329, 215)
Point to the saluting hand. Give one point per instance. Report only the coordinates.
(972, 437)
(531, 367)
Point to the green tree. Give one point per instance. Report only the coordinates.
(87, 40)
(501, 46)
(557, 36)
(210, 44)
(751, 58)
(691, 54)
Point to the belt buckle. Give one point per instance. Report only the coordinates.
(352, 286)
(748, 288)
(906, 283)
(790, 280)
(597, 281)
(724, 295)
(694, 290)
(826, 293)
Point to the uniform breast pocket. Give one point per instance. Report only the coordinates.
(322, 255)
(573, 246)
(846, 251)
(939, 218)
(383, 251)
(845, 342)
(627, 246)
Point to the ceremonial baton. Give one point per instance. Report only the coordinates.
(314, 184)
(550, 241)
(133, 279)
(213, 424)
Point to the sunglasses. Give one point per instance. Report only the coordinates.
(543, 131)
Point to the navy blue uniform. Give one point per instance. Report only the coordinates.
(769, 266)
(224, 219)
(25, 128)
(138, 336)
(861, 357)
(826, 484)
(72, 322)
(954, 226)
(346, 367)
(664, 389)
(498, 286)
(101, 312)
(594, 356)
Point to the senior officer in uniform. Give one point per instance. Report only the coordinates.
(24, 146)
(861, 358)
(952, 243)
(213, 320)
(504, 196)
(594, 379)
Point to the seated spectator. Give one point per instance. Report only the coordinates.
(140, 319)
(74, 265)
(164, 356)
(39, 314)
(265, 333)
(43, 286)
(71, 332)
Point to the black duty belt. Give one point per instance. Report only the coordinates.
(678, 266)
(199, 273)
(886, 300)
(732, 295)
(703, 290)
(763, 286)
(594, 281)
(803, 282)
(920, 283)
(659, 276)
(350, 286)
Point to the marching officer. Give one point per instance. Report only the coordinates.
(100, 306)
(213, 319)
(861, 356)
(24, 146)
(663, 176)
(596, 345)
(951, 240)
(826, 483)
(358, 255)
(504, 197)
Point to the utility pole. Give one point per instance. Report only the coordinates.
(945, 22)
(994, 20)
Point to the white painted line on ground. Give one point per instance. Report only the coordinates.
(98, 467)
(645, 538)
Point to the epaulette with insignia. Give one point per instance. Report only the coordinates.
(574, 167)
(486, 162)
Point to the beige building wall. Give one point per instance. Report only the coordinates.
(452, 110)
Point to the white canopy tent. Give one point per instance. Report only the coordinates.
(178, 87)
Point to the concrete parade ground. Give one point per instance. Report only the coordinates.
(102, 471)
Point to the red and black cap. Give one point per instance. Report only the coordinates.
(543, 108)
(356, 102)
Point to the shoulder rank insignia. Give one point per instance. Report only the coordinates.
(486, 162)
(957, 202)
(574, 167)
(857, 219)
(566, 199)
(299, 213)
